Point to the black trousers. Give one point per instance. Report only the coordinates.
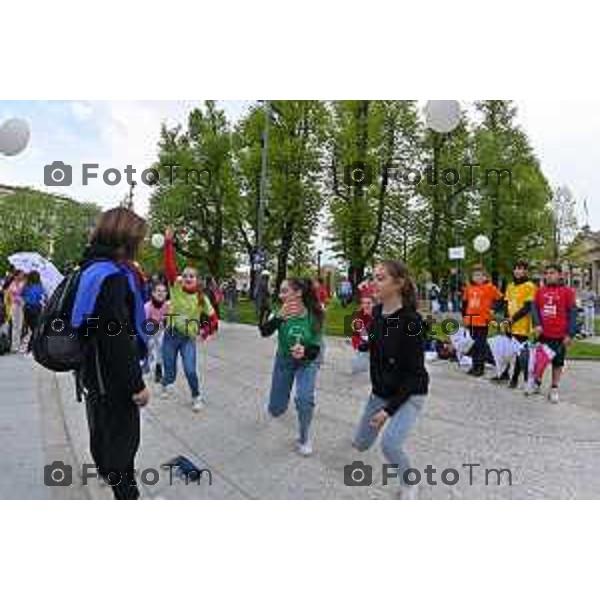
(114, 426)
(31, 314)
(478, 352)
(518, 366)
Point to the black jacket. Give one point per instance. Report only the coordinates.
(397, 357)
(118, 355)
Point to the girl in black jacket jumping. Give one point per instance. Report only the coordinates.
(398, 375)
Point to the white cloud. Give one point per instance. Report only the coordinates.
(82, 110)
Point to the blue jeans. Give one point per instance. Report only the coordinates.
(360, 362)
(172, 345)
(395, 430)
(285, 370)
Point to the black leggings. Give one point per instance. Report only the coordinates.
(518, 366)
(31, 314)
(478, 352)
(114, 425)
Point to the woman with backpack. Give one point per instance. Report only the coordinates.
(108, 311)
(33, 301)
(299, 325)
(399, 379)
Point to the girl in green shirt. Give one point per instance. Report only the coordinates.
(299, 326)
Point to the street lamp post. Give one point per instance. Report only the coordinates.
(263, 179)
(443, 117)
(128, 200)
(259, 255)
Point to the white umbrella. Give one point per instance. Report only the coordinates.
(32, 261)
(504, 350)
(462, 342)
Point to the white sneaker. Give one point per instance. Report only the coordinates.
(166, 391)
(304, 449)
(198, 403)
(532, 388)
(553, 396)
(407, 492)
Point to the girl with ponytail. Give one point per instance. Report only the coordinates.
(299, 325)
(399, 379)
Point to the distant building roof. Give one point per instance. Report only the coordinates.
(7, 189)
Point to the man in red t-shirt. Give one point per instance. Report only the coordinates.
(554, 316)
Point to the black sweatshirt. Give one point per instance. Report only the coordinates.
(397, 357)
(119, 355)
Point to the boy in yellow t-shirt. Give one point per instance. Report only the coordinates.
(518, 298)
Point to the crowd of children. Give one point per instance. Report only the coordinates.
(388, 339)
(533, 316)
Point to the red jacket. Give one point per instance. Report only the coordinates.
(358, 336)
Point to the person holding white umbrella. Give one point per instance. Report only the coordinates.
(33, 261)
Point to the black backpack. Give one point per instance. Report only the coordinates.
(56, 345)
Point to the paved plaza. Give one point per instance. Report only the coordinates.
(551, 451)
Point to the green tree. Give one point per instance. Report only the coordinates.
(377, 139)
(294, 197)
(442, 196)
(512, 197)
(196, 189)
(56, 227)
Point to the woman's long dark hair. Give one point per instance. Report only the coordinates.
(398, 270)
(309, 299)
(33, 278)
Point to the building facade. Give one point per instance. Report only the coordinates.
(584, 260)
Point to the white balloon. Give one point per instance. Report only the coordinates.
(442, 115)
(158, 240)
(14, 136)
(481, 244)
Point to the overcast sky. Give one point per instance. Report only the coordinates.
(564, 135)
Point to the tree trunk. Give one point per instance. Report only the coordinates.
(495, 241)
(356, 273)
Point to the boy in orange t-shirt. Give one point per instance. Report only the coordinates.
(478, 303)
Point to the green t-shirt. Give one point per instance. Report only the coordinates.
(296, 330)
(185, 312)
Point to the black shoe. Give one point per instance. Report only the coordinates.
(475, 372)
(514, 383)
(500, 379)
(158, 374)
